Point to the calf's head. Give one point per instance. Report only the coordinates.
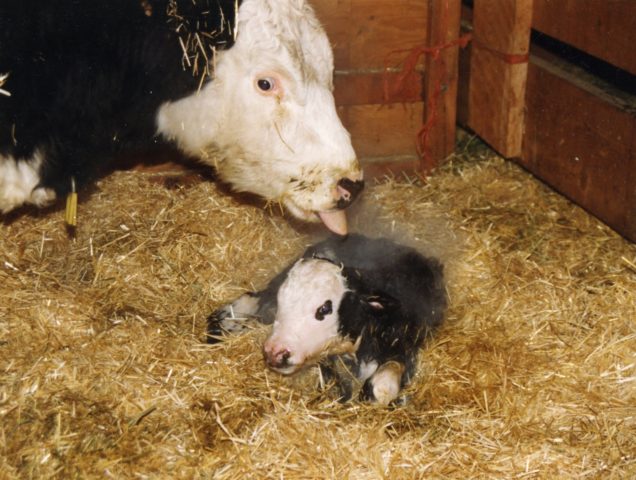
(307, 321)
(268, 121)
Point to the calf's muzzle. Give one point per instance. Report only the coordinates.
(276, 358)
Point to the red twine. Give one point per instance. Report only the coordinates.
(408, 82)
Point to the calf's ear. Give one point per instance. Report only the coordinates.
(380, 301)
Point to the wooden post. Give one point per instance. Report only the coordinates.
(440, 82)
(498, 72)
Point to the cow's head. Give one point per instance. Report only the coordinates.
(268, 120)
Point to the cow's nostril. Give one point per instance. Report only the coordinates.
(348, 190)
(285, 357)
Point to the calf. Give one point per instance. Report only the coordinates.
(247, 91)
(367, 303)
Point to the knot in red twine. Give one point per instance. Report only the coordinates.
(407, 83)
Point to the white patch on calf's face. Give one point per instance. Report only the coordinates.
(310, 284)
(286, 144)
(19, 181)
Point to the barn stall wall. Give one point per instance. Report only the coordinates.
(552, 84)
(571, 129)
(384, 103)
(574, 130)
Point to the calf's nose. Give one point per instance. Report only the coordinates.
(277, 358)
(348, 191)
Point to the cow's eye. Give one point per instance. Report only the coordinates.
(324, 310)
(266, 84)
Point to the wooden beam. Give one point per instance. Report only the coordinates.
(440, 82)
(603, 28)
(357, 88)
(498, 71)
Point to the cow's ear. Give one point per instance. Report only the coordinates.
(380, 301)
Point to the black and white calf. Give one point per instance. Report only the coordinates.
(367, 303)
(81, 80)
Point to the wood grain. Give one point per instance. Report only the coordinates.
(440, 82)
(582, 144)
(496, 93)
(383, 130)
(603, 28)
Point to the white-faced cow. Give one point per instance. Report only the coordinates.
(82, 80)
(367, 303)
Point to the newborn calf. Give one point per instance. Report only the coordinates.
(366, 303)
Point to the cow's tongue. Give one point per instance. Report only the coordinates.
(335, 221)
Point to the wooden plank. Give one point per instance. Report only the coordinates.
(383, 130)
(368, 88)
(501, 40)
(463, 73)
(581, 142)
(603, 28)
(335, 17)
(440, 82)
(364, 32)
(630, 218)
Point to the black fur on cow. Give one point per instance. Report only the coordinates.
(86, 78)
(393, 299)
(245, 87)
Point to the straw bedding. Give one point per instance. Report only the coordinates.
(104, 373)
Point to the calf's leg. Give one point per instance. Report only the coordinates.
(233, 318)
(384, 385)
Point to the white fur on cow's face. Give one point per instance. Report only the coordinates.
(286, 144)
(309, 285)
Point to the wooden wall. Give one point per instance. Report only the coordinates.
(364, 33)
(572, 129)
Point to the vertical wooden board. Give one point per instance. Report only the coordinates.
(463, 73)
(630, 221)
(440, 82)
(503, 25)
(383, 130)
(496, 101)
(501, 31)
(603, 28)
(582, 146)
(630, 227)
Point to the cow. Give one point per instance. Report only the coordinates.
(242, 86)
(367, 303)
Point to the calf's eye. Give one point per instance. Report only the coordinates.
(324, 310)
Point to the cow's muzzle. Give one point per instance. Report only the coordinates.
(348, 191)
